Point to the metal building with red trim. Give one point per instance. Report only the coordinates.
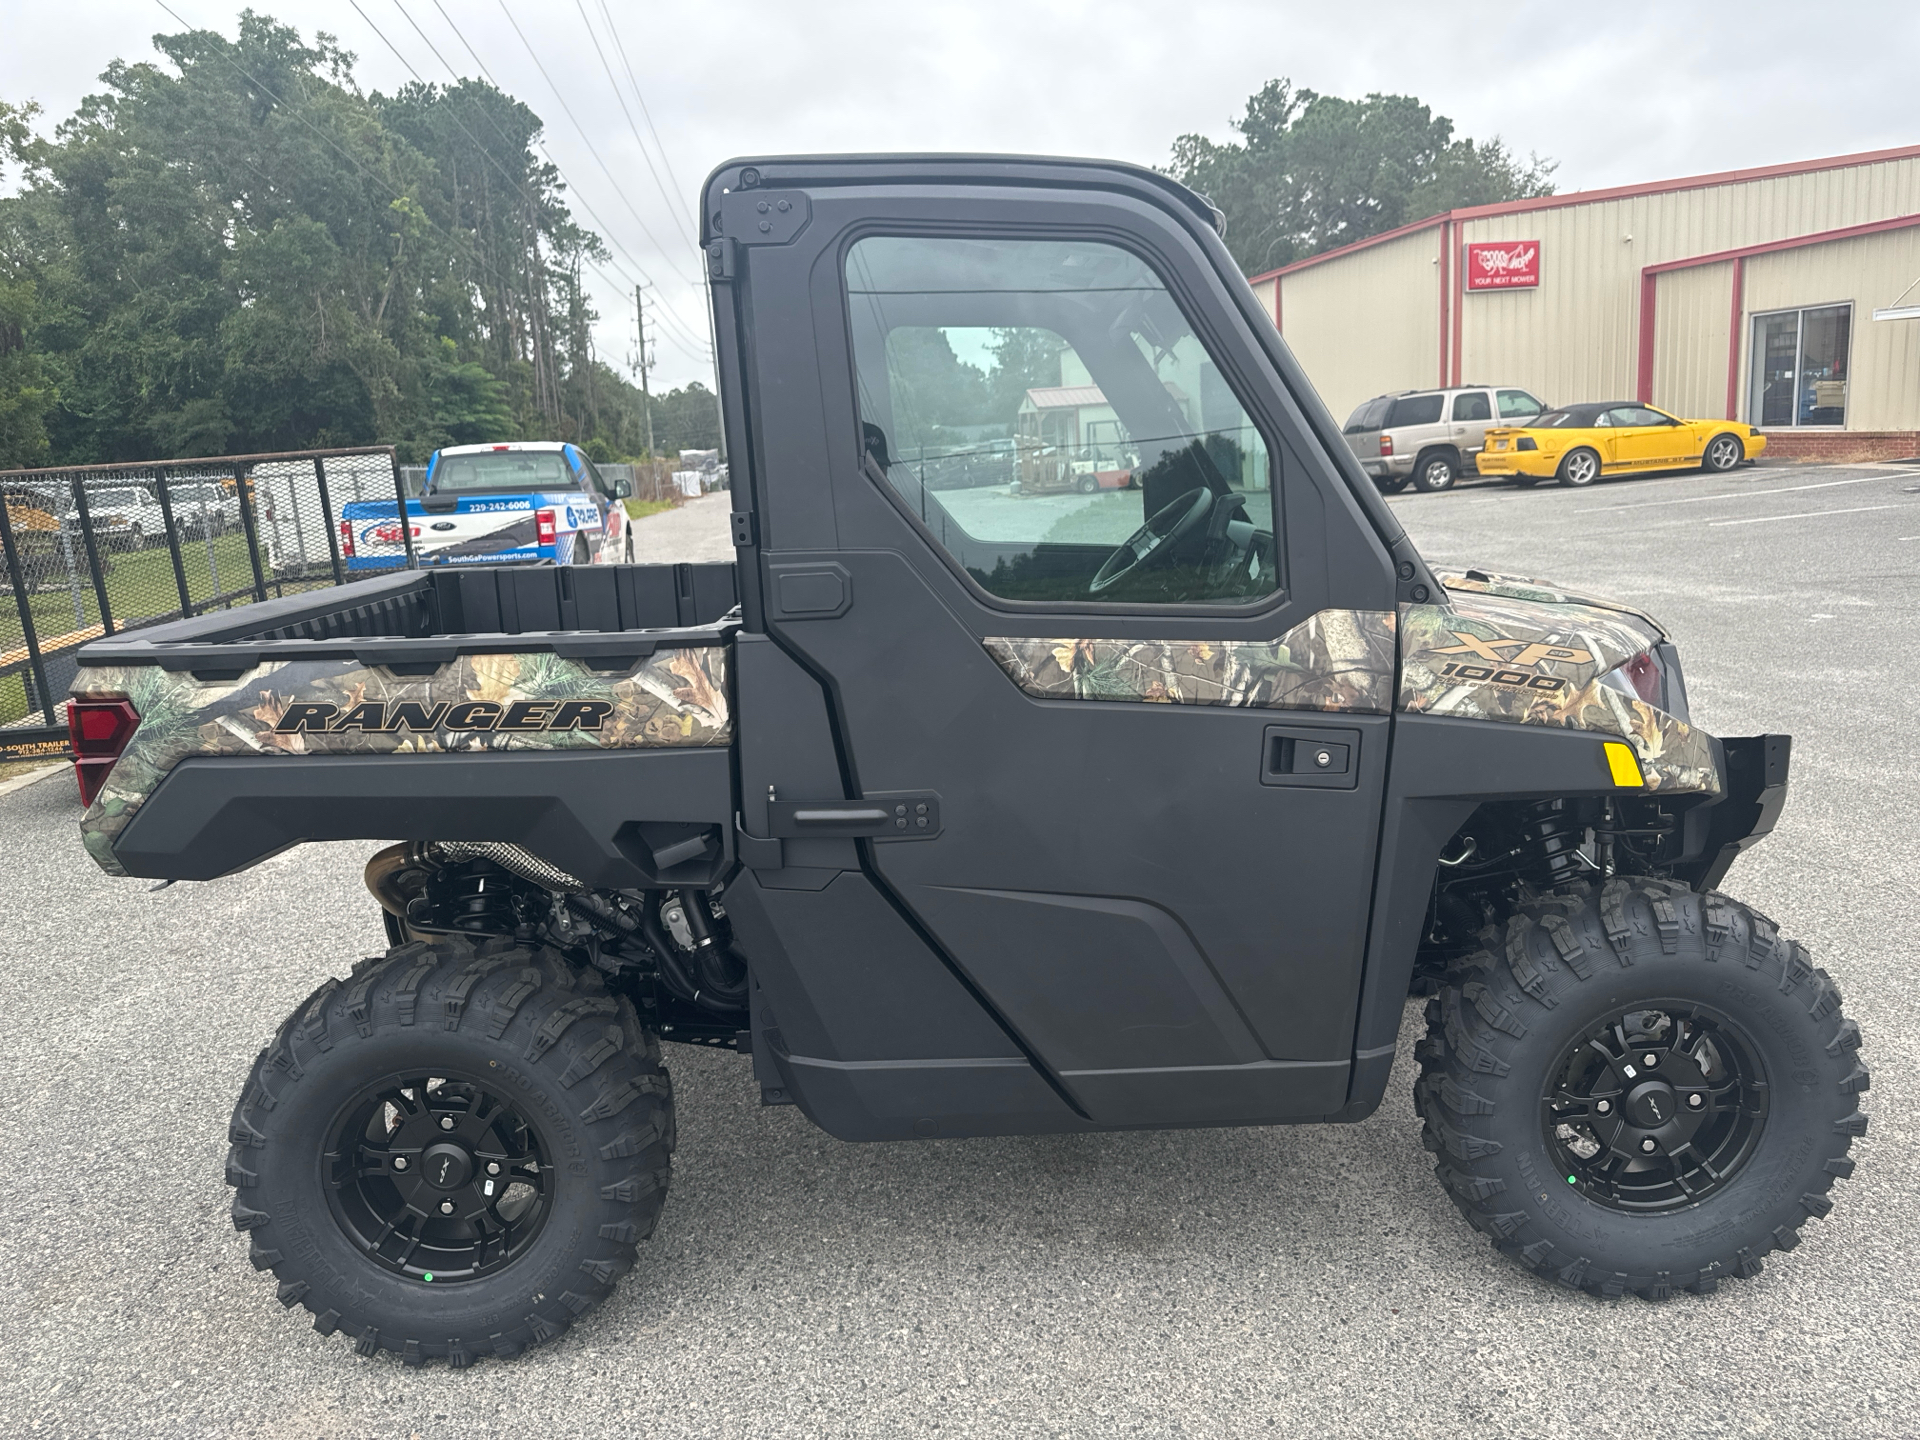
(1748, 294)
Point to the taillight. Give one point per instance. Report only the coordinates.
(544, 526)
(346, 538)
(100, 727)
(1386, 444)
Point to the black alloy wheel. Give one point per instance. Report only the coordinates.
(438, 1178)
(1635, 1087)
(1655, 1108)
(1723, 453)
(453, 1152)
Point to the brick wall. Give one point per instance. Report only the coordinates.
(1834, 447)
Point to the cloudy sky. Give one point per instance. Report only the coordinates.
(1614, 93)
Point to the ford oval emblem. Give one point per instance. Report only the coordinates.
(441, 525)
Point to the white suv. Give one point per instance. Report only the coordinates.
(1431, 437)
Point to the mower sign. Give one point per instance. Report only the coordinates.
(1510, 265)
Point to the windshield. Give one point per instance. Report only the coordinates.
(503, 470)
(117, 499)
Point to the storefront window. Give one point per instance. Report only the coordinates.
(1800, 366)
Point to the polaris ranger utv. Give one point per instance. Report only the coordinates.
(966, 812)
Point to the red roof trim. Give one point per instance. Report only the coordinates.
(1792, 242)
(1618, 192)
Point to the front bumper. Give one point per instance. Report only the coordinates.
(1753, 775)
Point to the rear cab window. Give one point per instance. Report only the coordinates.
(1472, 405)
(510, 471)
(1370, 416)
(1042, 407)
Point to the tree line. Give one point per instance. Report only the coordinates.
(237, 250)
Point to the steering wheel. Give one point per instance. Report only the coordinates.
(1160, 536)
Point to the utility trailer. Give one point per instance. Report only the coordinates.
(970, 814)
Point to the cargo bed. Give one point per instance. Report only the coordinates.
(436, 704)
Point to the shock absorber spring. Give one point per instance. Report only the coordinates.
(1552, 838)
(479, 899)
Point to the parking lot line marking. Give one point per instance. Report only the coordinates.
(1804, 515)
(1729, 495)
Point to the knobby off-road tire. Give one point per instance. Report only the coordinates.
(370, 1095)
(1507, 1030)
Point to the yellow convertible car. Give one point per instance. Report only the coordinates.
(1577, 444)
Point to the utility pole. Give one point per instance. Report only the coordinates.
(646, 395)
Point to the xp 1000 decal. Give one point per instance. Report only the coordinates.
(1527, 654)
(564, 527)
(292, 708)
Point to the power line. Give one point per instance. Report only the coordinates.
(686, 343)
(679, 334)
(585, 138)
(665, 159)
(488, 154)
(615, 85)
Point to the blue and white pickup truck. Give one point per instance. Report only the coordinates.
(483, 504)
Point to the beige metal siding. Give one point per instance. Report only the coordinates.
(1869, 272)
(1368, 323)
(1577, 336)
(1694, 313)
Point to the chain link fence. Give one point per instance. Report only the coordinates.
(87, 551)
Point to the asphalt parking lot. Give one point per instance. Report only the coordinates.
(1285, 1281)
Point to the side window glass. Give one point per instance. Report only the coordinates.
(1415, 410)
(1044, 407)
(1472, 405)
(1518, 405)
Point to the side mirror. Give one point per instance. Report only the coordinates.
(622, 489)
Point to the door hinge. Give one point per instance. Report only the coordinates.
(745, 533)
(720, 265)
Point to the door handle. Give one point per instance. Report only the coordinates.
(1310, 756)
(903, 815)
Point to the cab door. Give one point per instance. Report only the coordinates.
(1120, 756)
(1472, 413)
(1644, 439)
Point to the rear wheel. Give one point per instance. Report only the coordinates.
(1639, 1088)
(1435, 471)
(454, 1152)
(1723, 452)
(1581, 467)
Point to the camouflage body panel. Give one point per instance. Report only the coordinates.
(675, 697)
(1528, 654)
(1335, 660)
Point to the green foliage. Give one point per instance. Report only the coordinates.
(235, 249)
(1311, 172)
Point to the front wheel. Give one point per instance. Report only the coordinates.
(1641, 1088)
(1723, 453)
(1087, 485)
(1581, 467)
(454, 1152)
